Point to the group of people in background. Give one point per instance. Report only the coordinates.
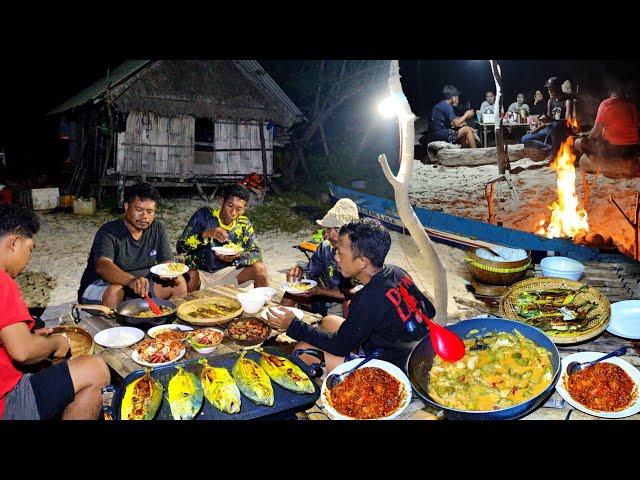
(615, 132)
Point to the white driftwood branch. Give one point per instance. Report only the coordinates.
(400, 184)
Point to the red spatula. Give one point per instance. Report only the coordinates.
(154, 308)
(446, 344)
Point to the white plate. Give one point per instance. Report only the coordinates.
(152, 332)
(296, 311)
(387, 367)
(162, 271)
(625, 319)
(589, 356)
(224, 250)
(118, 337)
(136, 358)
(285, 286)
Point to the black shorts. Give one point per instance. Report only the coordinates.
(53, 390)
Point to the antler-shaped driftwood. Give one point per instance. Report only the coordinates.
(400, 184)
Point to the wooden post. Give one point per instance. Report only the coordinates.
(400, 184)
(503, 156)
(264, 155)
(489, 193)
(635, 224)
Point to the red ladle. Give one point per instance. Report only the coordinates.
(446, 344)
(154, 308)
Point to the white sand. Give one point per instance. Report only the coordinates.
(64, 242)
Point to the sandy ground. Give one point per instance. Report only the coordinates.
(64, 241)
(460, 191)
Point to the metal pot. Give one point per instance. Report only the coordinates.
(421, 359)
(125, 312)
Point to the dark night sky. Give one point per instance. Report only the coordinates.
(35, 85)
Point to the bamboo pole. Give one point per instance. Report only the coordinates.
(400, 184)
(634, 223)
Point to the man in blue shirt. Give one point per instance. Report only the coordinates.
(445, 126)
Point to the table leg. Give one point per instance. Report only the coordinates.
(484, 132)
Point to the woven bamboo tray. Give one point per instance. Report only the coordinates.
(598, 317)
(188, 307)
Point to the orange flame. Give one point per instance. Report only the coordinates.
(572, 123)
(566, 218)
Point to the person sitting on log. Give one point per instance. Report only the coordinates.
(446, 127)
(553, 129)
(539, 104)
(223, 226)
(519, 104)
(124, 251)
(67, 390)
(612, 144)
(331, 294)
(379, 316)
(488, 105)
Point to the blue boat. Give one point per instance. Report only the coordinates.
(466, 233)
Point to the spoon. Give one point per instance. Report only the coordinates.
(575, 367)
(446, 344)
(334, 379)
(152, 305)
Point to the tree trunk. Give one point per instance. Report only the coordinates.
(400, 184)
(473, 157)
(503, 156)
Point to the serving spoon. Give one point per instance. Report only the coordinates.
(575, 367)
(154, 308)
(335, 378)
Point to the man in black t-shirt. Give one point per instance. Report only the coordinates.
(124, 251)
(379, 316)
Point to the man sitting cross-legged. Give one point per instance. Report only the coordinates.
(379, 316)
(67, 390)
(227, 225)
(124, 251)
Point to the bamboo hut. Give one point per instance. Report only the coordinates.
(175, 123)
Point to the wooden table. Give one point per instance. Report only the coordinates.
(119, 359)
(485, 128)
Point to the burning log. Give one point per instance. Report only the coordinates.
(400, 184)
(634, 224)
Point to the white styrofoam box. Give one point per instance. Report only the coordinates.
(488, 118)
(45, 198)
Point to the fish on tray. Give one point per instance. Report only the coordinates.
(185, 395)
(286, 373)
(253, 381)
(220, 388)
(142, 398)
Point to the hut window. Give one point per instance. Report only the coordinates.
(204, 136)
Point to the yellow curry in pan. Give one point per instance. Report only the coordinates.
(498, 371)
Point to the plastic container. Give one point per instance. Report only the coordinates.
(84, 207)
(251, 302)
(268, 292)
(562, 267)
(45, 198)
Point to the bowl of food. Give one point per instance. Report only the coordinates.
(508, 370)
(377, 391)
(562, 267)
(506, 268)
(248, 332)
(205, 340)
(251, 301)
(268, 292)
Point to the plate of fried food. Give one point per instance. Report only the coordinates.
(248, 331)
(156, 353)
(227, 249)
(607, 389)
(377, 391)
(205, 340)
(170, 332)
(298, 287)
(169, 270)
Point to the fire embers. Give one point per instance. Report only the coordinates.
(567, 219)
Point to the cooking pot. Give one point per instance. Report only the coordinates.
(421, 359)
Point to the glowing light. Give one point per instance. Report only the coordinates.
(389, 107)
(567, 220)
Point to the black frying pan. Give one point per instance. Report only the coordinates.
(125, 312)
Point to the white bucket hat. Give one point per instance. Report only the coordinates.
(344, 211)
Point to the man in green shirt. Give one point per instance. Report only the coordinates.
(226, 226)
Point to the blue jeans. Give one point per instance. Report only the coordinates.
(540, 140)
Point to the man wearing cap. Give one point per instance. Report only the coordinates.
(445, 126)
(552, 130)
(332, 292)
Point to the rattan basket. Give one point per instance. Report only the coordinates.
(188, 307)
(598, 317)
(496, 273)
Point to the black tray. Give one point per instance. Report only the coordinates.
(284, 400)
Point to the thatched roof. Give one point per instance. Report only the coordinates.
(220, 89)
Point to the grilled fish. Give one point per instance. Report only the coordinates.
(286, 373)
(142, 398)
(253, 381)
(185, 395)
(220, 388)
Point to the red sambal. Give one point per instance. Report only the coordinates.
(368, 393)
(604, 386)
